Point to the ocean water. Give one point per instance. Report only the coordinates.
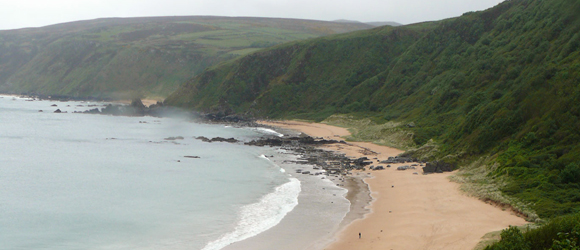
(79, 181)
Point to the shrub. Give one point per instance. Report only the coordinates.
(511, 239)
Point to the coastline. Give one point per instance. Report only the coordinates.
(321, 207)
(408, 210)
(422, 212)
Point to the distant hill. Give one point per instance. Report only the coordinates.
(377, 24)
(345, 21)
(149, 56)
(374, 24)
(495, 91)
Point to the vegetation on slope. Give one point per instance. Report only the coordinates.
(562, 233)
(121, 58)
(500, 85)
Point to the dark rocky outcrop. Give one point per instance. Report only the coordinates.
(304, 140)
(399, 159)
(224, 117)
(172, 138)
(306, 146)
(438, 167)
(274, 142)
(378, 168)
(362, 162)
(136, 108)
(405, 167)
(217, 139)
(109, 110)
(93, 111)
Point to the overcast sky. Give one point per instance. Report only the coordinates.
(36, 13)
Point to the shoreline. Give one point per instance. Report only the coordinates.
(359, 196)
(308, 211)
(358, 191)
(321, 207)
(408, 210)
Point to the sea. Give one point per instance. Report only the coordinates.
(84, 181)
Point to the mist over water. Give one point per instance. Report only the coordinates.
(77, 181)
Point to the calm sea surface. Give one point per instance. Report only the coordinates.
(78, 181)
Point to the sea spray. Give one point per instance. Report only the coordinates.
(261, 216)
(268, 131)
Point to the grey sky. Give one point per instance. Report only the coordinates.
(35, 13)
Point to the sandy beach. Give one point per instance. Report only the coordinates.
(408, 211)
(146, 102)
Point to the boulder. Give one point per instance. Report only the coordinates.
(438, 167)
(398, 159)
(361, 162)
(405, 167)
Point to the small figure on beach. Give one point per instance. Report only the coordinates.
(359, 235)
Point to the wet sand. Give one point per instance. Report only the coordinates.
(408, 211)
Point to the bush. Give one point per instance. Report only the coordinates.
(562, 233)
(570, 174)
(511, 239)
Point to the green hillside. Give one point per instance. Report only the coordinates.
(124, 57)
(497, 90)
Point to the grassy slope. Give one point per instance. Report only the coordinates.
(319, 71)
(137, 56)
(500, 84)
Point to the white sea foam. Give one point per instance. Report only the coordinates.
(261, 216)
(266, 157)
(269, 131)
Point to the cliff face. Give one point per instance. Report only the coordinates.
(123, 58)
(501, 83)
